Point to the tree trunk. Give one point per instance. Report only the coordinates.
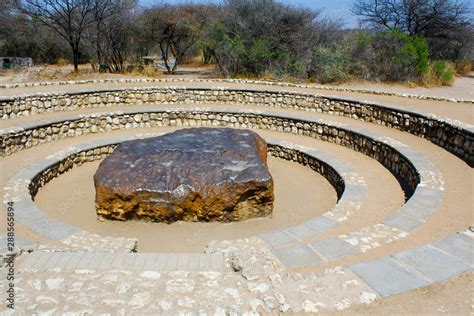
(75, 59)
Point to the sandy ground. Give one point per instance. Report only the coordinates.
(463, 88)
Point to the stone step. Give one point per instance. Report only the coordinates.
(418, 267)
(122, 261)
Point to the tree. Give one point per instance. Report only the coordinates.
(175, 30)
(439, 21)
(68, 18)
(110, 33)
(263, 36)
(23, 37)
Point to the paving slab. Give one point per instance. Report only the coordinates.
(459, 246)
(322, 223)
(278, 238)
(297, 256)
(333, 248)
(403, 222)
(123, 261)
(387, 276)
(433, 263)
(303, 231)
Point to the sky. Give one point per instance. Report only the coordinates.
(332, 8)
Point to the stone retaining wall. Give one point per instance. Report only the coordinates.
(454, 136)
(54, 129)
(62, 166)
(236, 81)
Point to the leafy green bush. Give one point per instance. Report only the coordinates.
(391, 56)
(330, 65)
(443, 72)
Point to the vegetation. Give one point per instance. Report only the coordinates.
(423, 41)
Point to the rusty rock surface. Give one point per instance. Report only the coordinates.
(196, 174)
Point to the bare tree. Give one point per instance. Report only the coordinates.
(175, 30)
(440, 21)
(110, 32)
(69, 18)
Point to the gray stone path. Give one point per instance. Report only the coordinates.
(39, 260)
(418, 267)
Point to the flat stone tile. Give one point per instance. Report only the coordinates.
(297, 256)
(65, 259)
(217, 262)
(333, 248)
(105, 262)
(194, 262)
(86, 262)
(459, 246)
(182, 262)
(53, 229)
(172, 262)
(387, 277)
(432, 262)
(322, 223)
(161, 262)
(303, 231)
(423, 204)
(73, 262)
(356, 193)
(150, 262)
(33, 260)
(204, 262)
(117, 261)
(278, 238)
(129, 261)
(403, 222)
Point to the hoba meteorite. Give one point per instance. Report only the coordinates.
(196, 174)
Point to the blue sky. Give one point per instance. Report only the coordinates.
(333, 8)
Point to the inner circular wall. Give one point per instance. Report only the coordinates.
(300, 194)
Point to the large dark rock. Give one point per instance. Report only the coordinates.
(197, 174)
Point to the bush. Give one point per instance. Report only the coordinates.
(391, 56)
(443, 73)
(330, 65)
(62, 62)
(463, 67)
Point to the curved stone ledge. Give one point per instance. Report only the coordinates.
(454, 136)
(391, 156)
(23, 187)
(241, 81)
(289, 247)
(422, 181)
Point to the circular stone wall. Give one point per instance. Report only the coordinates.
(300, 194)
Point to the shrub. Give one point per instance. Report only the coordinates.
(463, 67)
(443, 72)
(62, 62)
(330, 65)
(391, 56)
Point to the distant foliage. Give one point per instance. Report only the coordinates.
(402, 41)
(391, 56)
(330, 65)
